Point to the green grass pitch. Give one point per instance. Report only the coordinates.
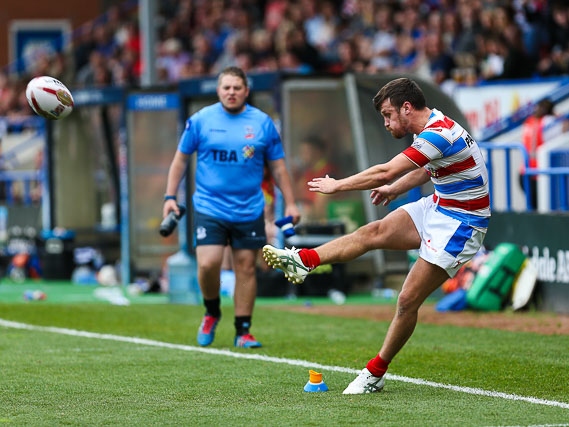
(89, 363)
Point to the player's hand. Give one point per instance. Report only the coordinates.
(293, 211)
(324, 185)
(170, 205)
(382, 195)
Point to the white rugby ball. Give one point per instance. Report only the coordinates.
(49, 98)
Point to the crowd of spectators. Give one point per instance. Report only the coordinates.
(446, 41)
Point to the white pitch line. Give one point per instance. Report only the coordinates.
(293, 362)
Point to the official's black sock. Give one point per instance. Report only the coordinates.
(242, 325)
(212, 307)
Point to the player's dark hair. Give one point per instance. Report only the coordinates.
(399, 91)
(233, 71)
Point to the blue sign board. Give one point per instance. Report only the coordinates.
(30, 40)
(98, 96)
(153, 101)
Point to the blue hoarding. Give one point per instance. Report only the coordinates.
(30, 40)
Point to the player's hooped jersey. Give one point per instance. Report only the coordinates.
(457, 169)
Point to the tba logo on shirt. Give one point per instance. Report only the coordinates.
(224, 156)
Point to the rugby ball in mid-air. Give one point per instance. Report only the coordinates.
(49, 98)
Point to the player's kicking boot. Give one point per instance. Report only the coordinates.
(288, 261)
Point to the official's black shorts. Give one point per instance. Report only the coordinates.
(239, 235)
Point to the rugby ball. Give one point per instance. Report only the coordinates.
(49, 98)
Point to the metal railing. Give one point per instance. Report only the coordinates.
(558, 176)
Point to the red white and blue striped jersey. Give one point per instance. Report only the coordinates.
(456, 167)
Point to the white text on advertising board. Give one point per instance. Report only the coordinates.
(550, 267)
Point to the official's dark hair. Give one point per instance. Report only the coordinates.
(233, 71)
(399, 91)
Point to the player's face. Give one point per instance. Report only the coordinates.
(232, 93)
(395, 122)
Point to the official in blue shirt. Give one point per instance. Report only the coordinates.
(233, 141)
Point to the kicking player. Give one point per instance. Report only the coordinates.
(447, 227)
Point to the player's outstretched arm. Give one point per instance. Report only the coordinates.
(368, 179)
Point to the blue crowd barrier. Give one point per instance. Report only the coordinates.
(558, 176)
(507, 148)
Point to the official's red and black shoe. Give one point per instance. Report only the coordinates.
(206, 332)
(246, 341)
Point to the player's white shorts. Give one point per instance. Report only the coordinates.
(445, 241)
